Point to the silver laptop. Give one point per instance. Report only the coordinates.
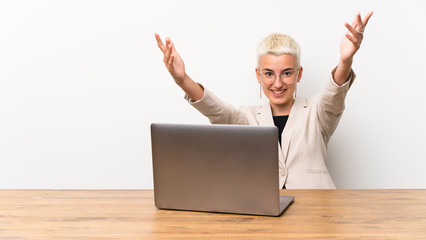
(217, 168)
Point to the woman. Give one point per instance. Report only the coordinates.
(305, 125)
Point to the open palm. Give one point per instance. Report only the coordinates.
(353, 38)
(173, 61)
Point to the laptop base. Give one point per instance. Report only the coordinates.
(285, 202)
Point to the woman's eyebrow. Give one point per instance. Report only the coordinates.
(270, 70)
(284, 70)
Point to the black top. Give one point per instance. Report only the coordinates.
(280, 122)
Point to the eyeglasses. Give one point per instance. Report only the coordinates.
(288, 77)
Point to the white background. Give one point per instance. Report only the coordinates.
(81, 82)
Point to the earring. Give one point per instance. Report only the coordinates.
(295, 91)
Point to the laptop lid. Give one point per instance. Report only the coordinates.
(217, 168)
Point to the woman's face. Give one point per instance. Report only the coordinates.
(282, 74)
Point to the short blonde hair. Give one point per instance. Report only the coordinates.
(278, 44)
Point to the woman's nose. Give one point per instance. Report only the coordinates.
(278, 82)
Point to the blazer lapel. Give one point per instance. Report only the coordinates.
(264, 117)
(297, 113)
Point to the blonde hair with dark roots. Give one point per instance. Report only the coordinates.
(278, 44)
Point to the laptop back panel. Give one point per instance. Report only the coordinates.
(216, 168)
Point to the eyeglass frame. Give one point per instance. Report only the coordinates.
(281, 76)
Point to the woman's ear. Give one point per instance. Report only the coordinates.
(299, 75)
(257, 75)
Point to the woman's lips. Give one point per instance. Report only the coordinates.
(278, 93)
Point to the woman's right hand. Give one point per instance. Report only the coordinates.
(172, 60)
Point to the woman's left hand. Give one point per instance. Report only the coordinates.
(353, 38)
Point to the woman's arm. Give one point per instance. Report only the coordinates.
(176, 67)
(349, 46)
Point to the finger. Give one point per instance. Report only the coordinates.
(168, 53)
(167, 42)
(173, 49)
(159, 42)
(360, 25)
(351, 38)
(353, 35)
(354, 23)
(170, 63)
(367, 17)
(351, 29)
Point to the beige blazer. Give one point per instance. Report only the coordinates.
(312, 121)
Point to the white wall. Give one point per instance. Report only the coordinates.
(81, 82)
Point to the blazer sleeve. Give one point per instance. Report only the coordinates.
(331, 104)
(218, 111)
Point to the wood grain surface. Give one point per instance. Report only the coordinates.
(131, 214)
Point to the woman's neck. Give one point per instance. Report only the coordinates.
(282, 110)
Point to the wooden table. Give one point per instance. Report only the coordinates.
(131, 214)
